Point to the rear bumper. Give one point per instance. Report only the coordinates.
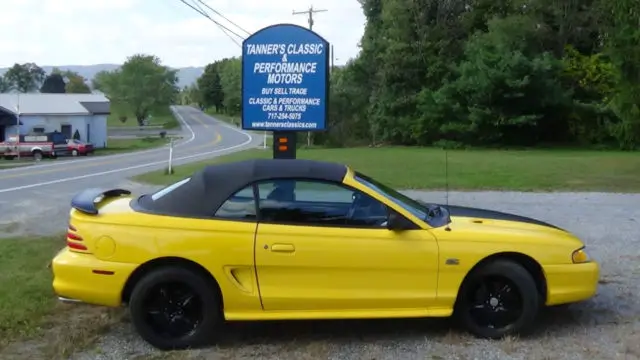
(75, 279)
(571, 283)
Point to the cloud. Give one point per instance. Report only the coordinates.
(76, 32)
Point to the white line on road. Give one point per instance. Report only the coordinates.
(73, 178)
(67, 162)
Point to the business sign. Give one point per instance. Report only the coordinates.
(285, 79)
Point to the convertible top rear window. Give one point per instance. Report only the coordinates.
(162, 192)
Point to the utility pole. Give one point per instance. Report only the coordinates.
(309, 13)
(18, 125)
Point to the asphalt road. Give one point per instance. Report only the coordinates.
(35, 199)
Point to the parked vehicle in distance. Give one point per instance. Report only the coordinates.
(78, 147)
(275, 239)
(38, 146)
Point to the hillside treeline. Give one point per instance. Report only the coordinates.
(478, 73)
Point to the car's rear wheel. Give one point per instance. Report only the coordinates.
(175, 308)
(498, 299)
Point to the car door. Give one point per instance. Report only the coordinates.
(227, 250)
(311, 255)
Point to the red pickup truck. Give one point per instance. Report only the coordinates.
(37, 146)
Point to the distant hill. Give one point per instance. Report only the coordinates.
(186, 76)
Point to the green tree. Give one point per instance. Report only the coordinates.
(507, 90)
(346, 125)
(25, 77)
(210, 87)
(231, 82)
(142, 85)
(76, 84)
(623, 47)
(591, 80)
(5, 85)
(106, 82)
(194, 95)
(54, 84)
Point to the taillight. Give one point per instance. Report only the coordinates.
(74, 236)
(74, 240)
(76, 246)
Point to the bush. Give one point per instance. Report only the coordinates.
(123, 118)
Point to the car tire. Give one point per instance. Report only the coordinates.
(37, 155)
(205, 300)
(497, 286)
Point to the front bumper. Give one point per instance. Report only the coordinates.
(75, 279)
(571, 282)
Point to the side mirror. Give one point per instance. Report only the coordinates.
(397, 222)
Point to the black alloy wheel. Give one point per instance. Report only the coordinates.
(496, 303)
(175, 308)
(499, 299)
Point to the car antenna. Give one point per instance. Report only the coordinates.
(446, 186)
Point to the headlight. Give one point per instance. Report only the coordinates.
(580, 256)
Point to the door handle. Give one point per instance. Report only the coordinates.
(288, 248)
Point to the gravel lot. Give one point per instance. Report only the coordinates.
(606, 327)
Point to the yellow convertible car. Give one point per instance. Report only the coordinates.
(299, 239)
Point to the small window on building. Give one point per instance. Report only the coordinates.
(38, 130)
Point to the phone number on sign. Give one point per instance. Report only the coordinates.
(284, 116)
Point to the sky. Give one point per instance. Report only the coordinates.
(86, 32)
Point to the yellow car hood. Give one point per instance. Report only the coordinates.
(477, 215)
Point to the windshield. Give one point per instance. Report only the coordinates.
(414, 207)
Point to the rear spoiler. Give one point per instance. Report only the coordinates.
(85, 201)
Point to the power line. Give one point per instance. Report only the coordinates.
(222, 27)
(222, 16)
(204, 13)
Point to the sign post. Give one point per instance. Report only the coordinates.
(285, 84)
(170, 166)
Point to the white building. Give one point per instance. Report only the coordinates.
(85, 114)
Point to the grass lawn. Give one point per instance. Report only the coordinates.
(424, 168)
(9, 164)
(26, 282)
(30, 311)
(164, 118)
(115, 146)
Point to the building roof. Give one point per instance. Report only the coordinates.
(55, 104)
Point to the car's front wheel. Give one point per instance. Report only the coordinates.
(498, 299)
(175, 308)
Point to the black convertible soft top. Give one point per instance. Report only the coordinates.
(209, 188)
